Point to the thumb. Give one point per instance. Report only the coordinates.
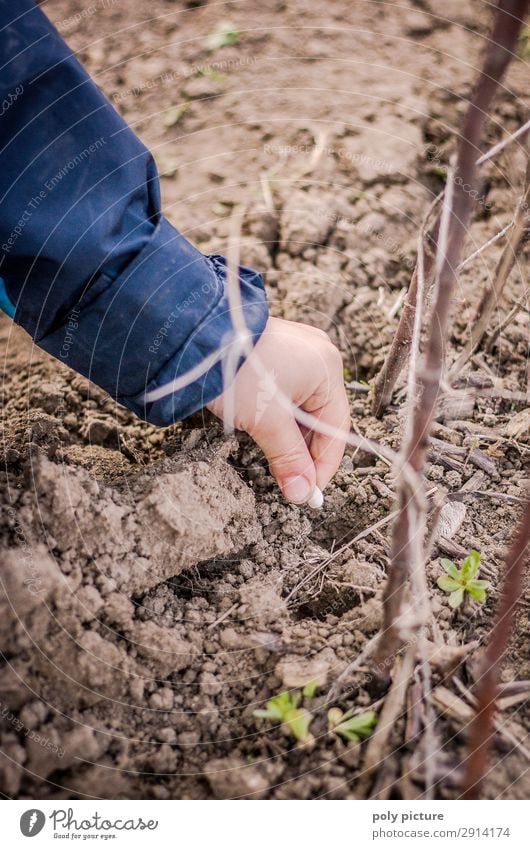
(283, 444)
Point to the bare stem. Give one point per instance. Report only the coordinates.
(482, 726)
(400, 346)
(453, 225)
(492, 294)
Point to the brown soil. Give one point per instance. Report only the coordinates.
(150, 597)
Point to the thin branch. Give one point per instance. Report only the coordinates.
(482, 727)
(469, 259)
(492, 294)
(334, 691)
(493, 151)
(392, 708)
(400, 346)
(506, 320)
(399, 349)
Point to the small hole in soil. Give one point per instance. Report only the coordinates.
(208, 579)
(332, 601)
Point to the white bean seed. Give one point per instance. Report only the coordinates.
(317, 499)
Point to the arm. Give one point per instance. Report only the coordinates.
(95, 273)
(101, 280)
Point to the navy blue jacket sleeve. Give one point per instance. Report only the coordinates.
(95, 273)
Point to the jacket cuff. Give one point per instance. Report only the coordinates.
(160, 317)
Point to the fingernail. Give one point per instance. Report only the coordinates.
(297, 489)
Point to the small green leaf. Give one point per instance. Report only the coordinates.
(346, 715)
(224, 34)
(214, 75)
(348, 735)
(448, 584)
(363, 722)
(523, 47)
(298, 720)
(284, 699)
(357, 727)
(278, 705)
(265, 714)
(477, 594)
(284, 707)
(274, 710)
(174, 115)
(470, 565)
(456, 598)
(450, 568)
(479, 585)
(477, 590)
(310, 689)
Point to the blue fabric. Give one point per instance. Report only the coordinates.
(97, 275)
(6, 304)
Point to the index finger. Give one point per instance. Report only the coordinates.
(326, 450)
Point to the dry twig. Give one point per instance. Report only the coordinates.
(400, 346)
(392, 708)
(492, 294)
(482, 727)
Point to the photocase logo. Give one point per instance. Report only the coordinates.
(32, 822)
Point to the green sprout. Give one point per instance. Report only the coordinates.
(352, 728)
(285, 708)
(523, 47)
(439, 172)
(309, 690)
(224, 34)
(174, 115)
(458, 582)
(214, 74)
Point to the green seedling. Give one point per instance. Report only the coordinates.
(523, 48)
(214, 75)
(224, 34)
(459, 582)
(309, 690)
(174, 115)
(285, 708)
(351, 728)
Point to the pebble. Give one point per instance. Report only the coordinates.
(233, 778)
(166, 735)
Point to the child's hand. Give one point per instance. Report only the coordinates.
(302, 364)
